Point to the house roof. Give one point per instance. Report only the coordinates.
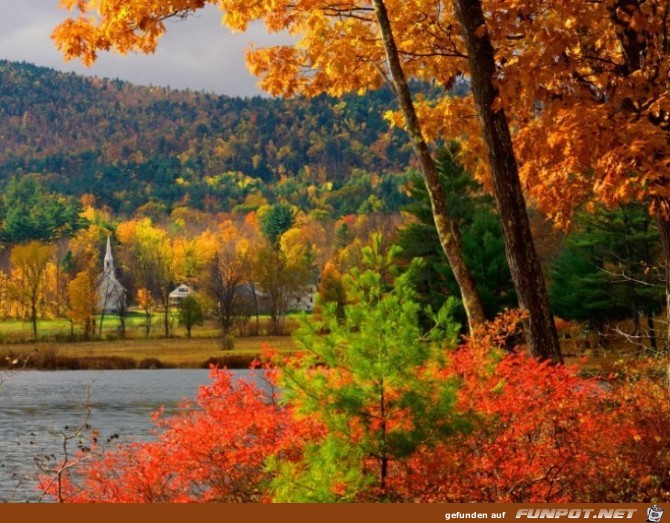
(181, 291)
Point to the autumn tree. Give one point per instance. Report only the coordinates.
(83, 297)
(227, 273)
(149, 252)
(588, 83)
(190, 314)
(281, 275)
(352, 59)
(146, 303)
(31, 260)
(331, 291)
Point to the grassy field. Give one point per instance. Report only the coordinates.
(60, 329)
(147, 353)
(60, 345)
(58, 349)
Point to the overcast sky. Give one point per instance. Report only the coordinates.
(197, 53)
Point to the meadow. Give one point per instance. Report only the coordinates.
(59, 346)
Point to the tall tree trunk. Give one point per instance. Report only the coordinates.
(664, 232)
(448, 229)
(253, 291)
(519, 247)
(653, 347)
(102, 321)
(166, 319)
(122, 315)
(33, 313)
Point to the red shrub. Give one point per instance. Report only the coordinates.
(539, 433)
(544, 434)
(214, 451)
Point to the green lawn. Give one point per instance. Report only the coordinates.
(17, 331)
(56, 348)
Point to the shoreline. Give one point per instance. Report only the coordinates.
(169, 353)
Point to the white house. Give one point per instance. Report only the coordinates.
(303, 300)
(178, 295)
(111, 293)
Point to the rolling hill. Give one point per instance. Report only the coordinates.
(129, 145)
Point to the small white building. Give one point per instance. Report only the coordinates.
(303, 300)
(111, 293)
(178, 295)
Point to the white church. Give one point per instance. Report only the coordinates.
(111, 293)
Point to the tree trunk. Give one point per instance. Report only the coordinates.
(166, 320)
(33, 312)
(102, 319)
(664, 233)
(447, 228)
(122, 316)
(519, 247)
(253, 290)
(653, 347)
(147, 322)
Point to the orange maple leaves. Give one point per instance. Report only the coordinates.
(584, 84)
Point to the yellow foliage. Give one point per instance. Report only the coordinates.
(83, 298)
(583, 84)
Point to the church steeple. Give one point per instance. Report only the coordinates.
(109, 261)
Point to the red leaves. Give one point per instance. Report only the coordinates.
(539, 433)
(215, 450)
(545, 434)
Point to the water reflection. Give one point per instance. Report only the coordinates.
(36, 406)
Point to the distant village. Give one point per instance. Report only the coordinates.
(112, 296)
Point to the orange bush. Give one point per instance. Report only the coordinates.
(539, 433)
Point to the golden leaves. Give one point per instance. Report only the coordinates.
(560, 76)
(122, 25)
(278, 67)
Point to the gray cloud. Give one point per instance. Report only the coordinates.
(197, 53)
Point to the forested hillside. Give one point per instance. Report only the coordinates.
(130, 145)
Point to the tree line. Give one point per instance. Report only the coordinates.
(606, 274)
(595, 75)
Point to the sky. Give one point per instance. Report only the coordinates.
(197, 53)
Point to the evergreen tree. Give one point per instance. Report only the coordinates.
(191, 314)
(28, 212)
(373, 382)
(275, 221)
(483, 246)
(606, 270)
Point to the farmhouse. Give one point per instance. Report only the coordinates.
(177, 296)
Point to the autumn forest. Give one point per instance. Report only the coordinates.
(445, 232)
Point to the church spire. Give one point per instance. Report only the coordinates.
(109, 261)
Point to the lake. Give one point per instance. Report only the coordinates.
(35, 404)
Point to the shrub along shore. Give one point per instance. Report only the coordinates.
(139, 354)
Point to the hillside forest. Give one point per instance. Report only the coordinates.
(477, 191)
(181, 195)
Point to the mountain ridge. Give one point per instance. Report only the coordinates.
(106, 136)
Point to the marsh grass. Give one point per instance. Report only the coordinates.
(141, 353)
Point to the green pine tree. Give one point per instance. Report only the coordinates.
(483, 246)
(372, 380)
(607, 270)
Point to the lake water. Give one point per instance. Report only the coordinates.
(34, 405)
